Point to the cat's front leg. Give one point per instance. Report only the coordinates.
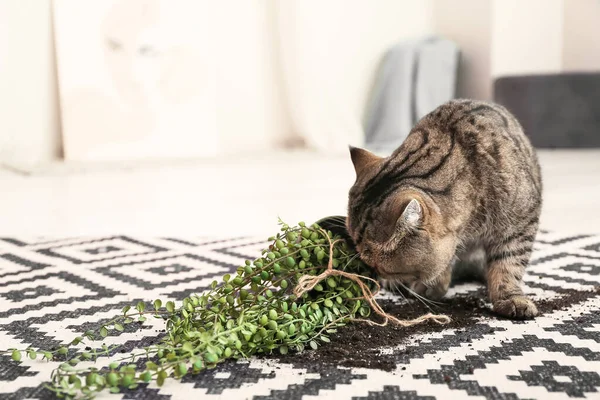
(506, 265)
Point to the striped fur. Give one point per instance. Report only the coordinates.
(465, 179)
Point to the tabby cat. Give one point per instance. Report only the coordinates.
(466, 179)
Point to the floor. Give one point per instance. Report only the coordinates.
(54, 291)
(240, 197)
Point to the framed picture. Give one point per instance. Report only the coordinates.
(136, 79)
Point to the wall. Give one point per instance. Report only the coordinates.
(284, 70)
(515, 37)
(467, 22)
(581, 51)
(526, 37)
(330, 52)
(29, 122)
(252, 112)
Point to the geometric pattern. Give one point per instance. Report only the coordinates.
(53, 289)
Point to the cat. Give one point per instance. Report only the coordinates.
(466, 179)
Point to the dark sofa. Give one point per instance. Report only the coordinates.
(556, 111)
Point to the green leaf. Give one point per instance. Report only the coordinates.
(32, 354)
(157, 304)
(75, 381)
(112, 379)
(66, 367)
(125, 309)
(103, 332)
(146, 376)
(170, 306)
(187, 346)
(211, 358)
(313, 344)
(151, 366)
(119, 327)
(160, 379)
(126, 380)
(283, 350)
(16, 355)
(291, 330)
(141, 306)
(182, 369)
(90, 379)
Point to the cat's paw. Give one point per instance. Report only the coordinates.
(435, 292)
(516, 307)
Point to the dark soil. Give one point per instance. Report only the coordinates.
(358, 344)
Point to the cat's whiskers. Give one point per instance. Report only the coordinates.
(426, 302)
(354, 257)
(397, 289)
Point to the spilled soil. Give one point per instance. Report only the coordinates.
(358, 344)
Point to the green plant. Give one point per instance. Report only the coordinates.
(306, 284)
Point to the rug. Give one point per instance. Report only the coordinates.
(54, 290)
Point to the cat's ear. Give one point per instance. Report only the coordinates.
(361, 158)
(412, 216)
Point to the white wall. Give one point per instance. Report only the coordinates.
(330, 53)
(515, 37)
(526, 37)
(286, 68)
(252, 111)
(29, 122)
(467, 22)
(581, 51)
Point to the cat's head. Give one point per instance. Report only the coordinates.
(401, 235)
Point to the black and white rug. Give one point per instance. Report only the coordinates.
(54, 290)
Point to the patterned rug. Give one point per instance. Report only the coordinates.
(54, 290)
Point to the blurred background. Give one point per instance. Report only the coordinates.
(213, 118)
